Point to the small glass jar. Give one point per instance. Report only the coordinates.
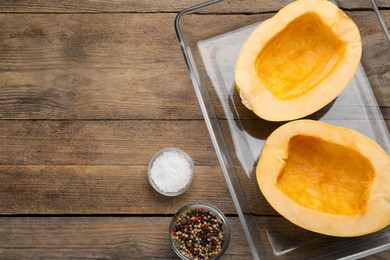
(202, 227)
(180, 190)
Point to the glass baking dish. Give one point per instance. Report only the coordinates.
(211, 35)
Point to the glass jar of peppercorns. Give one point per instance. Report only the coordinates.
(199, 231)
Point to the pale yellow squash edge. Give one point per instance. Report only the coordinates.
(256, 97)
(377, 215)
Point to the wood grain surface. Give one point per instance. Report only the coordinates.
(112, 190)
(89, 91)
(122, 238)
(101, 190)
(101, 142)
(91, 66)
(254, 6)
(97, 238)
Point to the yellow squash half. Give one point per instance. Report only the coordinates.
(327, 179)
(298, 61)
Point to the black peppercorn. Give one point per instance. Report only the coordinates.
(183, 221)
(199, 234)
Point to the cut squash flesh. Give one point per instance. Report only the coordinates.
(299, 57)
(298, 61)
(328, 179)
(333, 179)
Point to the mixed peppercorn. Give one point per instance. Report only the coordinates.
(199, 234)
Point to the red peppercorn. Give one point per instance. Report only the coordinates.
(197, 242)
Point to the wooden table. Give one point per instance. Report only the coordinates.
(89, 91)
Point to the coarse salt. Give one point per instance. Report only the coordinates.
(171, 171)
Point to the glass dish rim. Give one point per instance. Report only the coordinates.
(209, 115)
(210, 207)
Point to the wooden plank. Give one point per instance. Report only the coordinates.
(158, 6)
(376, 58)
(100, 142)
(72, 41)
(93, 67)
(147, 237)
(98, 237)
(144, 42)
(74, 66)
(164, 93)
(101, 190)
(385, 15)
(113, 190)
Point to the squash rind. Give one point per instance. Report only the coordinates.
(377, 214)
(254, 94)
